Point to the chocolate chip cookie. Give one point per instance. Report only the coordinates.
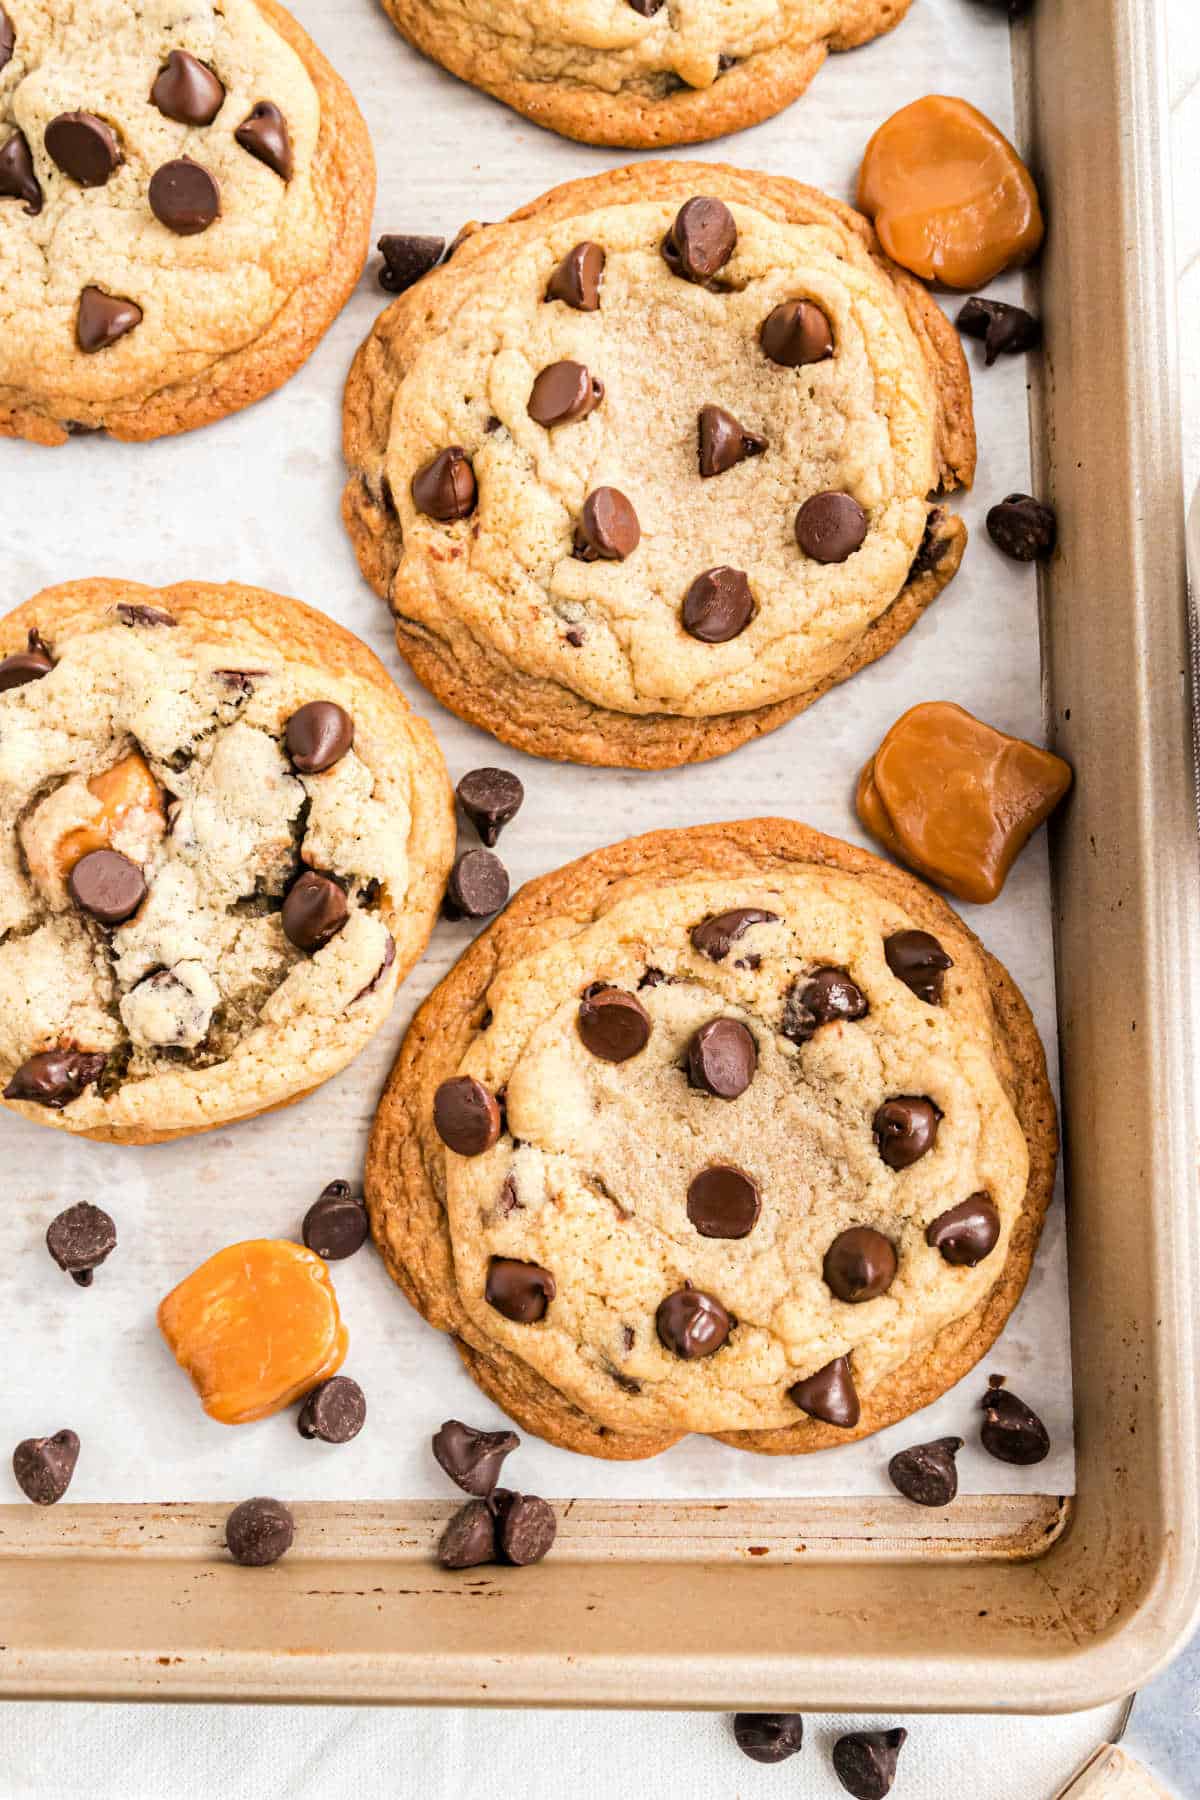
(643, 74)
(185, 201)
(734, 1130)
(646, 469)
(223, 841)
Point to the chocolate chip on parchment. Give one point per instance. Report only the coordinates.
(613, 1024)
(186, 90)
(830, 527)
(472, 1459)
(724, 442)
(829, 1395)
(562, 393)
(918, 960)
(318, 735)
(466, 1116)
(722, 1058)
(520, 1291)
(818, 1000)
(184, 196)
(18, 179)
(84, 147)
(768, 1737)
(145, 615)
(103, 318)
(865, 1762)
(30, 664)
(715, 937)
(336, 1224)
(722, 1202)
(905, 1129)
(967, 1233)
(406, 259)
(718, 605)
(478, 886)
(796, 333)
(1016, 8)
(927, 1474)
(314, 910)
(526, 1527)
(491, 799)
(44, 1466)
(576, 281)
(608, 527)
(264, 133)
(444, 488)
(1011, 1431)
(108, 886)
(54, 1078)
(8, 38)
(80, 1239)
(469, 1539)
(859, 1265)
(1024, 528)
(1005, 330)
(259, 1531)
(335, 1411)
(692, 1324)
(701, 240)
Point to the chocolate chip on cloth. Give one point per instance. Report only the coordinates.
(927, 1474)
(259, 1532)
(335, 1412)
(336, 1224)
(1011, 1431)
(768, 1737)
(406, 259)
(1024, 528)
(43, 1467)
(80, 1239)
(472, 1459)
(865, 1762)
(491, 799)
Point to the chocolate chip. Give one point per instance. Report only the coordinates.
(444, 488)
(103, 318)
(8, 38)
(691, 1324)
(24, 666)
(1024, 528)
(1016, 8)
(933, 546)
(1005, 330)
(722, 1202)
(564, 391)
(860, 1264)
(829, 1395)
(796, 333)
(613, 1024)
(967, 1233)
(389, 957)
(478, 886)
(647, 8)
(187, 90)
(145, 615)
(1012, 1431)
(406, 259)
(491, 799)
(80, 1239)
(184, 196)
(18, 180)
(927, 1473)
(258, 1532)
(722, 1058)
(314, 910)
(54, 1078)
(830, 527)
(715, 937)
(527, 1528)
(577, 277)
(336, 1224)
(335, 1412)
(905, 1130)
(318, 735)
(827, 996)
(107, 885)
(264, 133)
(466, 1116)
(520, 1291)
(84, 147)
(718, 605)
(768, 1737)
(918, 960)
(472, 1459)
(469, 1539)
(44, 1466)
(608, 527)
(724, 442)
(865, 1762)
(701, 240)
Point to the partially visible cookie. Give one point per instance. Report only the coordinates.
(734, 1129)
(185, 201)
(643, 74)
(646, 469)
(223, 842)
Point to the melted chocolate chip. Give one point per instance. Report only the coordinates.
(918, 960)
(967, 1233)
(466, 1116)
(933, 546)
(722, 1202)
(1012, 1431)
(444, 488)
(724, 442)
(1024, 528)
(406, 259)
(576, 281)
(860, 1264)
(526, 1527)
(44, 1466)
(715, 937)
(84, 147)
(646, 8)
(821, 999)
(264, 133)
(608, 527)
(722, 1058)
(865, 1762)
(103, 318)
(335, 1412)
(259, 1531)
(80, 1239)
(830, 527)
(472, 1459)
(796, 333)
(927, 1474)
(613, 1024)
(318, 735)
(477, 888)
(491, 799)
(469, 1539)
(520, 1291)
(1005, 330)
(718, 606)
(562, 393)
(701, 240)
(145, 615)
(691, 1324)
(18, 180)
(187, 90)
(184, 197)
(54, 1078)
(314, 910)
(24, 666)
(8, 38)
(107, 885)
(768, 1737)
(905, 1130)
(336, 1224)
(829, 1395)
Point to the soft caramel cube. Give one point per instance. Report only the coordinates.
(131, 806)
(256, 1327)
(957, 800)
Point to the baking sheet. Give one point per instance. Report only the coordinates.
(255, 499)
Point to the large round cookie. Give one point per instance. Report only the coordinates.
(466, 510)
(642, 74)
(185, 201)
(209, 889)
(593, 1176)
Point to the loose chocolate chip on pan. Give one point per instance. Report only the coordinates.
(336, 1224)
(820, 1000)
(44, 1466)
(406, 259)
(1012, 1431)
(264, 133)
(184, 197)
(469, 1539)
(1024, 528)
(259, 1531)
(722, 1202)
(1005, 330)
(576, 281)
(186, 90)
(927, 1474)
(23, 666)
(608, 527)
(562, 393)
(718, 606)
(466, 1116)
(865, 1762)
(722, 1058)
(84, 147)
(8, 38)
(80, 1239)
(830, 527)
(918, 960)
(335, 1412)
(145, 615)
(716, 936)
(701, 240)
(724, 442)
(472, 1459)
(905, 1129)
(18, 180)
(108, 886)
(860, 1264)
(103, 318)
(478, 886)
(967, 1233)
(526, 1528)
(314, 910)
(768, 1737)
(54, 1078)
(318, 735)
(491, 799)
(444, 488)
(520, 1291)
(796, 333)
(691, 1324)
(829, 1395)
(613, 1024)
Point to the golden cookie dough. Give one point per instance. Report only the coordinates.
(112, 319)
(154, 737)
(590, 660)
(591, 1173)
(642, 76)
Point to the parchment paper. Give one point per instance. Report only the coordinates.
(255, 499)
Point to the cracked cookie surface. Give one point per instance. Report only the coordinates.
(223, 842)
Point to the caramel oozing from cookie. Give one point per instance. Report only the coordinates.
(131, 802)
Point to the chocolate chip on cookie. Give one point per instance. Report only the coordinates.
(718, 606)
(691, 1324)
(927, 1474)
(406, 259)
(820, 1000)
(44, 1466)
(608, 527)
(80, 1239)
(562, 393)
(314, 910)
(472, 1459)
(335, 1412)
(186, 90)
(860, 1264)
(829, 1395)
(477, 888)
(716, 936)
(865, 1762)
(521, 1291)
(967, 1233)
(491, 799)
(466, 1116)
(918, 960)
(103, 318)
(84, 147)
(54, 1078)
(8, 38)
(1011, 1431)
(107, 885)
(318, 735)
(259, 1532)
(647, 8)
(336, 1224)
(444, 488)
(469, 1539)
(1005, 330)
(152, 616)
(264, 133)
(1024, 528)
(722, 1057)
(18, 179)
(31, 664)
(701, 240)
(184, 197)
(906, 1129)
(830, 527)
(722, 1202)
(613, 1024)
(576, 281)
(724, 442)
(768, 1737)
(796, 333)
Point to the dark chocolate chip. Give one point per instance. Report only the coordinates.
(1012, 1431)
(444, 488)
(722, 1058)
(44, 1466)
(103, 318)
(716, 936)
(563, 392)
(967, 1233)
(314, 910)
(27, 665)
(691, 1324)
(608, 527)
(927, 1474)
(472, 1459)
(18, 180)
(724, 442)
(335, 1412)
(406, 259)
(796, 333)
(478, 886)
(818, 1000)
(701, 240)
(8, 38)
(54, 1078)
(860, 1264)
(905, 1129)
(526, 1530)
(80, 1239)
(918, 960)
(829, 1395)
(865, 1762)
(1024, 528)
(389, 957)
(336, 1224)
(469, 1539)
(259, 1531)
(577, 277)
(1016, 8)
(722, 1202)
(520, 1291)
(264, 133)
(718, 606)
(84, 147)
(830, 527)
(318, 735)
(1005, 330)
(933, 546)
(184, 196)
(186, 90)
(768, 1737)
(491, 799)
(107, 885)
(613, 1024)
(466, 1116)
(145, 615)
(647, 8)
